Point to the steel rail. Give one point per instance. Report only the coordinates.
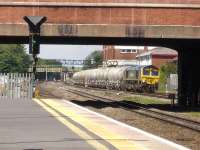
(186, 123)
(156, 95)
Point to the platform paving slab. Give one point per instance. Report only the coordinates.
(26, 125)
(118, 134)
(58, 124)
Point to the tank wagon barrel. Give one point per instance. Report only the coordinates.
(125, 78)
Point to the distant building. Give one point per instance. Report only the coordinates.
(123, 55)
(157, 57)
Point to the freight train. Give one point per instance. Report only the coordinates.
(140, 79)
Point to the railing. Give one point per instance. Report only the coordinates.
(16, 86)
(172, 87)
(172, 83)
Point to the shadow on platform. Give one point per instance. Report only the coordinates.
(124, 104)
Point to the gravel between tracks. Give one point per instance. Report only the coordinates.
(174, 133)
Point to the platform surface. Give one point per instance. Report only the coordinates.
(59, 124)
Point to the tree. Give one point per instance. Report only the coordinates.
(13, 58)
(93, 60)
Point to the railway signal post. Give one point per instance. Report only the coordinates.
(34, 23)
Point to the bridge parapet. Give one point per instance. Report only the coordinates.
(115, 1)
(167, 19)
(185, 12)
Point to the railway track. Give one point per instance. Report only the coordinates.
(172, 119)
(156, 95)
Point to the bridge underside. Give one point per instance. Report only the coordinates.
(169, 36)
(184, 39)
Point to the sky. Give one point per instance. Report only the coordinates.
(75, 52)
(66, 51)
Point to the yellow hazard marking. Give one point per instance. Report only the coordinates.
(37, 93)
(114, 139)
(97, 145)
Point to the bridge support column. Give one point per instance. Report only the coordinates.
(189, 77)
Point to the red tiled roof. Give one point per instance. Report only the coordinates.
(160, 51)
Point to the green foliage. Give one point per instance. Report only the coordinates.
(165, 71)
(145, 100)
(13, 58)
(195, 114)
(97, 59)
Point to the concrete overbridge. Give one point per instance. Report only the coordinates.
(169, 23)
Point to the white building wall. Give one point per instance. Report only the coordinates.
(144, 60)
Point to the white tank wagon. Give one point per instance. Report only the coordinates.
(123, 78)
(110, 77)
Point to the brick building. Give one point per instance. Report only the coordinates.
(157, 57)
(124, 55)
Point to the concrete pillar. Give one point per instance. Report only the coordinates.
(189, 77)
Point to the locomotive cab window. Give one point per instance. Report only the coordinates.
(146, 71)
(154, 72)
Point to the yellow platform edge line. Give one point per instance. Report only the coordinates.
(114, 139)
(95, 144)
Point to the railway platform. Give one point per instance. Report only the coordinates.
(115, 134)
(59, 124)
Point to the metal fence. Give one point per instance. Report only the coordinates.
(172, 83)
(16, 86)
